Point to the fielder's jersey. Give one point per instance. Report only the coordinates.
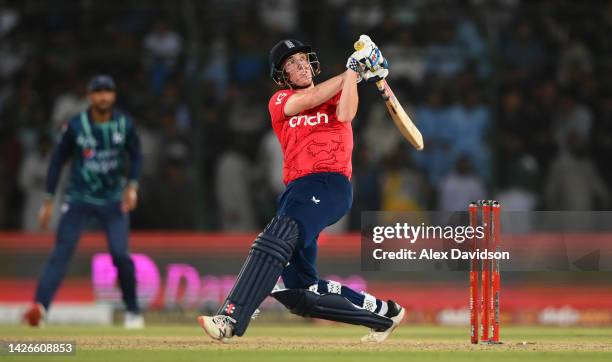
(98, 152)
(313, 141)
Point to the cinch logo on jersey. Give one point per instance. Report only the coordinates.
(308, 120)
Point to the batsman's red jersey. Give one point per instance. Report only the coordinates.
(313, 141)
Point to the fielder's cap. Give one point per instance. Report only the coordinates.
(101, 82)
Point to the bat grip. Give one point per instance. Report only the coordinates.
(381, 85)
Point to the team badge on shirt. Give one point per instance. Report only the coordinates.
(117, 138)
(88, 153)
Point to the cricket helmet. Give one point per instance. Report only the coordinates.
(284, 49)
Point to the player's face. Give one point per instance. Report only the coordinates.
(298, 70)
(102, 100)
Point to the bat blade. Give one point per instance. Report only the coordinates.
(400, 117)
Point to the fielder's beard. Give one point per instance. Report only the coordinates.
(102, 109)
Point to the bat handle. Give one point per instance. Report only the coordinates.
(381, 85)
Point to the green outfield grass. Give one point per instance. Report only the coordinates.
(317, 343)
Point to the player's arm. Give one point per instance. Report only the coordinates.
(130, 194)
(60, 154)
(312, 97)
(366, 63)
(349, 99)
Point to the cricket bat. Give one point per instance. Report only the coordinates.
(399, 116)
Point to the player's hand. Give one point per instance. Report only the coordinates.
(375, 76)
(368, 53)
(353, 64)
(130, 198)
(44, 214)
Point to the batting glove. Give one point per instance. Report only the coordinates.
(353, 64)
(369, 54)
(375, 75)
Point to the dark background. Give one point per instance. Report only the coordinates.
(514, 100)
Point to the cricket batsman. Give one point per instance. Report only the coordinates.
(97, 141)
(313, 125)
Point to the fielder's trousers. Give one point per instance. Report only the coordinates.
(74, 218)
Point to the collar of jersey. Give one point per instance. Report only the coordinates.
(114, 117)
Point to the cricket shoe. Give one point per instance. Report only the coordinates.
(35, 315)
(396, 313)
(219, 327)
(133, 320)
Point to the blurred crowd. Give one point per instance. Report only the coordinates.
(514, 100)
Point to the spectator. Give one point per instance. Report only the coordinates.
(523, 53)
(69, 103)
(403, 188)
(572, 117)
(280, 16)
(549, 80)
(232, 181)
(603, 135)
(366, 15)
(520, 194)
(173, 145)
(162, 46)
(32, 183)
(366, 184)
(174, 202)
(522, 185)
(407, 57)
(216, 68)
(435, 121)
(9, 19)
(539, 121)
(248, 112)
(573, 182)
(12, 58)
(470, 38)
(575, 60)
(472, 122)
(270, 159)
(378, 128)
(460, 187)
(173, 102)
(445, 57)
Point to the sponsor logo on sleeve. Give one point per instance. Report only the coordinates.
(280, 97)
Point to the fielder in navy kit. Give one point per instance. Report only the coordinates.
(97, 141)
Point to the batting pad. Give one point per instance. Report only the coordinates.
(333, 307)
(268, 256)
